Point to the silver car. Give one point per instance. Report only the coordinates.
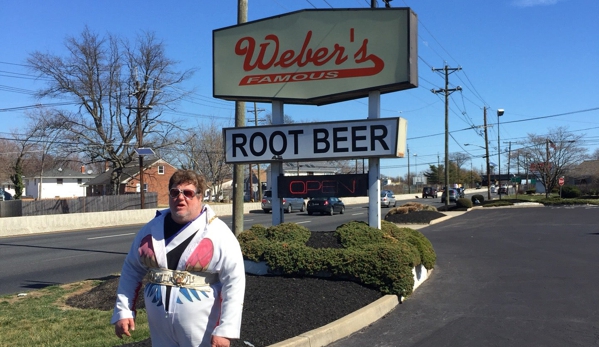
(388, 199)
(289, 204)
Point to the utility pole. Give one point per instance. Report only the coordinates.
(509, 159)
(487, 155)
(409, 183)
(546, 168)
(242, 17)
(438, 166)
(138, 94)
(447, 92)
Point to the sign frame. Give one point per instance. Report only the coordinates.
(368, 138)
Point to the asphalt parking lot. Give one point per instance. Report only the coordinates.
(504, 277)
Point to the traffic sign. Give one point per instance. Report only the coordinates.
(561, 181)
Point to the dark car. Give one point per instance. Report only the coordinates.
(502, 191)
(429, 191)
(453, 195)
(328, 205)
(461, 192)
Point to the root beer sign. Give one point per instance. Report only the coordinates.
(316, 56)
(382, 137)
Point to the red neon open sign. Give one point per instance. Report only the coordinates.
(323, 186)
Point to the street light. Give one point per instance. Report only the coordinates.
(499, 114)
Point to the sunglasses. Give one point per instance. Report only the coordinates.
(187, 193)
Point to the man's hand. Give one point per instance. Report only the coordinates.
(219, 341)
(123, 326)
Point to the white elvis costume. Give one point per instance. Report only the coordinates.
(197, 310)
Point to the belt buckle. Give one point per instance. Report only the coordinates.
(179, 279)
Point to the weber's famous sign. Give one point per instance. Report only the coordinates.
(317, 56)
(380, 138)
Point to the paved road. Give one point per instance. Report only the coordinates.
(504, 277)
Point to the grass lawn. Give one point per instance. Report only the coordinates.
(41, 318)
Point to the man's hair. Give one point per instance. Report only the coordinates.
(188, 177)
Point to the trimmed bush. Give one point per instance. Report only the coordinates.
(463, 203)
(478, 197)
(571, 192)
(382, 259)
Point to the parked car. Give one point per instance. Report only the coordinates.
(453, 195)
(502, 191)
(429, 191)
(328, 205)
(289, 204)
(388, 199)
(461, 192)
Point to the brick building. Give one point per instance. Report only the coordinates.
(156, 176)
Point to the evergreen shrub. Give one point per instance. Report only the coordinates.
(463, 203)
(382, 259)
(571, 192)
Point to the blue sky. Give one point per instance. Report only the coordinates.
(536, 59)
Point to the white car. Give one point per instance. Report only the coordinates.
(388, 199)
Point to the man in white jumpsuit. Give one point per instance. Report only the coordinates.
(194, 266)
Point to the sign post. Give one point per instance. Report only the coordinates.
(318, 57)
(561, 183)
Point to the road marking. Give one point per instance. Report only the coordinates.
(109, 236)
(306, 221)
(357, 214)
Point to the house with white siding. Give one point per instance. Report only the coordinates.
(57, 183)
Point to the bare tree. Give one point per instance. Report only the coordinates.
(552, 156)
(120, 89)
(459, 159)
(8, 155)
(45, 132)
(286, 119)
(204, 153)
(23, 148)
(595, 155)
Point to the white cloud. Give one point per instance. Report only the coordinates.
(531, 3)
